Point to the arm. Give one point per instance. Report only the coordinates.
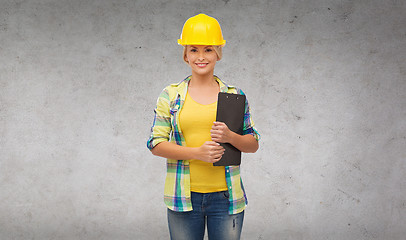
(222, 134)
(209, 152)
(247, 142)
(161, 129)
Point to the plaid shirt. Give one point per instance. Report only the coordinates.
(166, 128)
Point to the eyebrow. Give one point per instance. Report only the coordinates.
(208, 46)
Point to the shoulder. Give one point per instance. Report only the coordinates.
(235, 89)
(225, 87)
(181, 83)
(172, 90)
(239, 91)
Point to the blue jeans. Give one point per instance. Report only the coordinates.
(210, 208)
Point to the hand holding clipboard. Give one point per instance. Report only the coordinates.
(230, 110)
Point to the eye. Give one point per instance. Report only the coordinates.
(193, 50)
(209, 50)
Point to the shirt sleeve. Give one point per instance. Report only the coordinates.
(249, 126)
(161, 127)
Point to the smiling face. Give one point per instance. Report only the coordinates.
(202, 59)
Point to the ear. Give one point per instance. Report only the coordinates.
(185, 58)
(184, 54)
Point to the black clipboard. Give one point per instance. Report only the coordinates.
(230, 110)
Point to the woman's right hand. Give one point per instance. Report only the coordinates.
(210, 152)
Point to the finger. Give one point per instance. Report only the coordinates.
(216, 132)
(214, 135)
(219, 150)
(217, 139)
(219, 155)
(217, 159)
(212, 159)
(212, 143)
(218, 129)
(218, 125)
(216, 151)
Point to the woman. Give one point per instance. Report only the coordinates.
(186, 133)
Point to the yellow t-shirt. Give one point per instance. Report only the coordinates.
(196, 121)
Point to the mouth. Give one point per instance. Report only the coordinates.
(201, 64)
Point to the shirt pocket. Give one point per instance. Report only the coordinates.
(174, 111)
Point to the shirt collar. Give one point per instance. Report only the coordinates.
(183, 85)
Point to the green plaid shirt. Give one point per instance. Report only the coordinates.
(166, 128)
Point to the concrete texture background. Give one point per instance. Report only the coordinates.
(79, 80)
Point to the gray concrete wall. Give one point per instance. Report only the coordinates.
(79, 80)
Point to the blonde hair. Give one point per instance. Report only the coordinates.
(217, 49)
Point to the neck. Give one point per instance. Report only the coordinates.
(202, 80)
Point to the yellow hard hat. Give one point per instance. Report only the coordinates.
(201, 30)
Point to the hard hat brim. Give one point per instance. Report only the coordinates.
(201, 43)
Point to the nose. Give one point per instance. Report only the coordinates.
(201, 56)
